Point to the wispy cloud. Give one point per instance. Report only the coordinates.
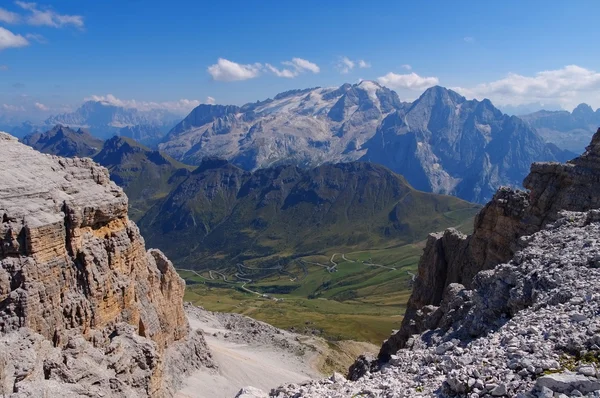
(406, 66)
(281, 72)
(8, 16)
(229, 71)
(10, 40)
(363, 64)
(469, 39)
(296, 67)
(210, 101)
(410, 81)
(3, 68)
(41, 107)
(302, 65)
(35, 37)
(49, 17)
(568, 86)
(13, 108)
(180, 107)
(18, 85)
(345, 64)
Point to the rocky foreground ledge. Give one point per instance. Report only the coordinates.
(538, 318)
(85, 310)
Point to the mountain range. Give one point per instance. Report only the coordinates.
(440, 143)
(217, 213)
(568, 130)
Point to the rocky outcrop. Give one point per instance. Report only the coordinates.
(528, 328)
(451, 257)
(82, 303)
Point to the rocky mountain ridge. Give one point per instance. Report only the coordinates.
(441, 142)
(84, 308)
(63, 141)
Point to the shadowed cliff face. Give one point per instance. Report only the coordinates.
(73, 266)
(451, 257)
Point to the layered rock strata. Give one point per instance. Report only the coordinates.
(82, 303)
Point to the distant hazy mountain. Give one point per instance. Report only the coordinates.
(524, 109)
(63, 141)
(568, 130)
(440, 143)
(105, 120)
(24, 128)
(145, 175)
(221, 214)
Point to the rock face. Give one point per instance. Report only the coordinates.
(451, 257)
(81, 300)
(528, 328)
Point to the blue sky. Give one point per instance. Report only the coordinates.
(55, 54)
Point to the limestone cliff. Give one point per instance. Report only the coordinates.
(451, 257)
(83, 305)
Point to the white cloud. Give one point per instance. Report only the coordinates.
(210, 101)
(363, 64)
(345, 65)
(48, 17)
(469, 39)
(568, 86)
(13, 108)
(406, 66)
(228, 71)
(41, 107)
(8, 16)
(182, 106)
(8, 39)
(282, 72)
(35, 37)
(410, 81)
(301, 65)
(3, 68)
